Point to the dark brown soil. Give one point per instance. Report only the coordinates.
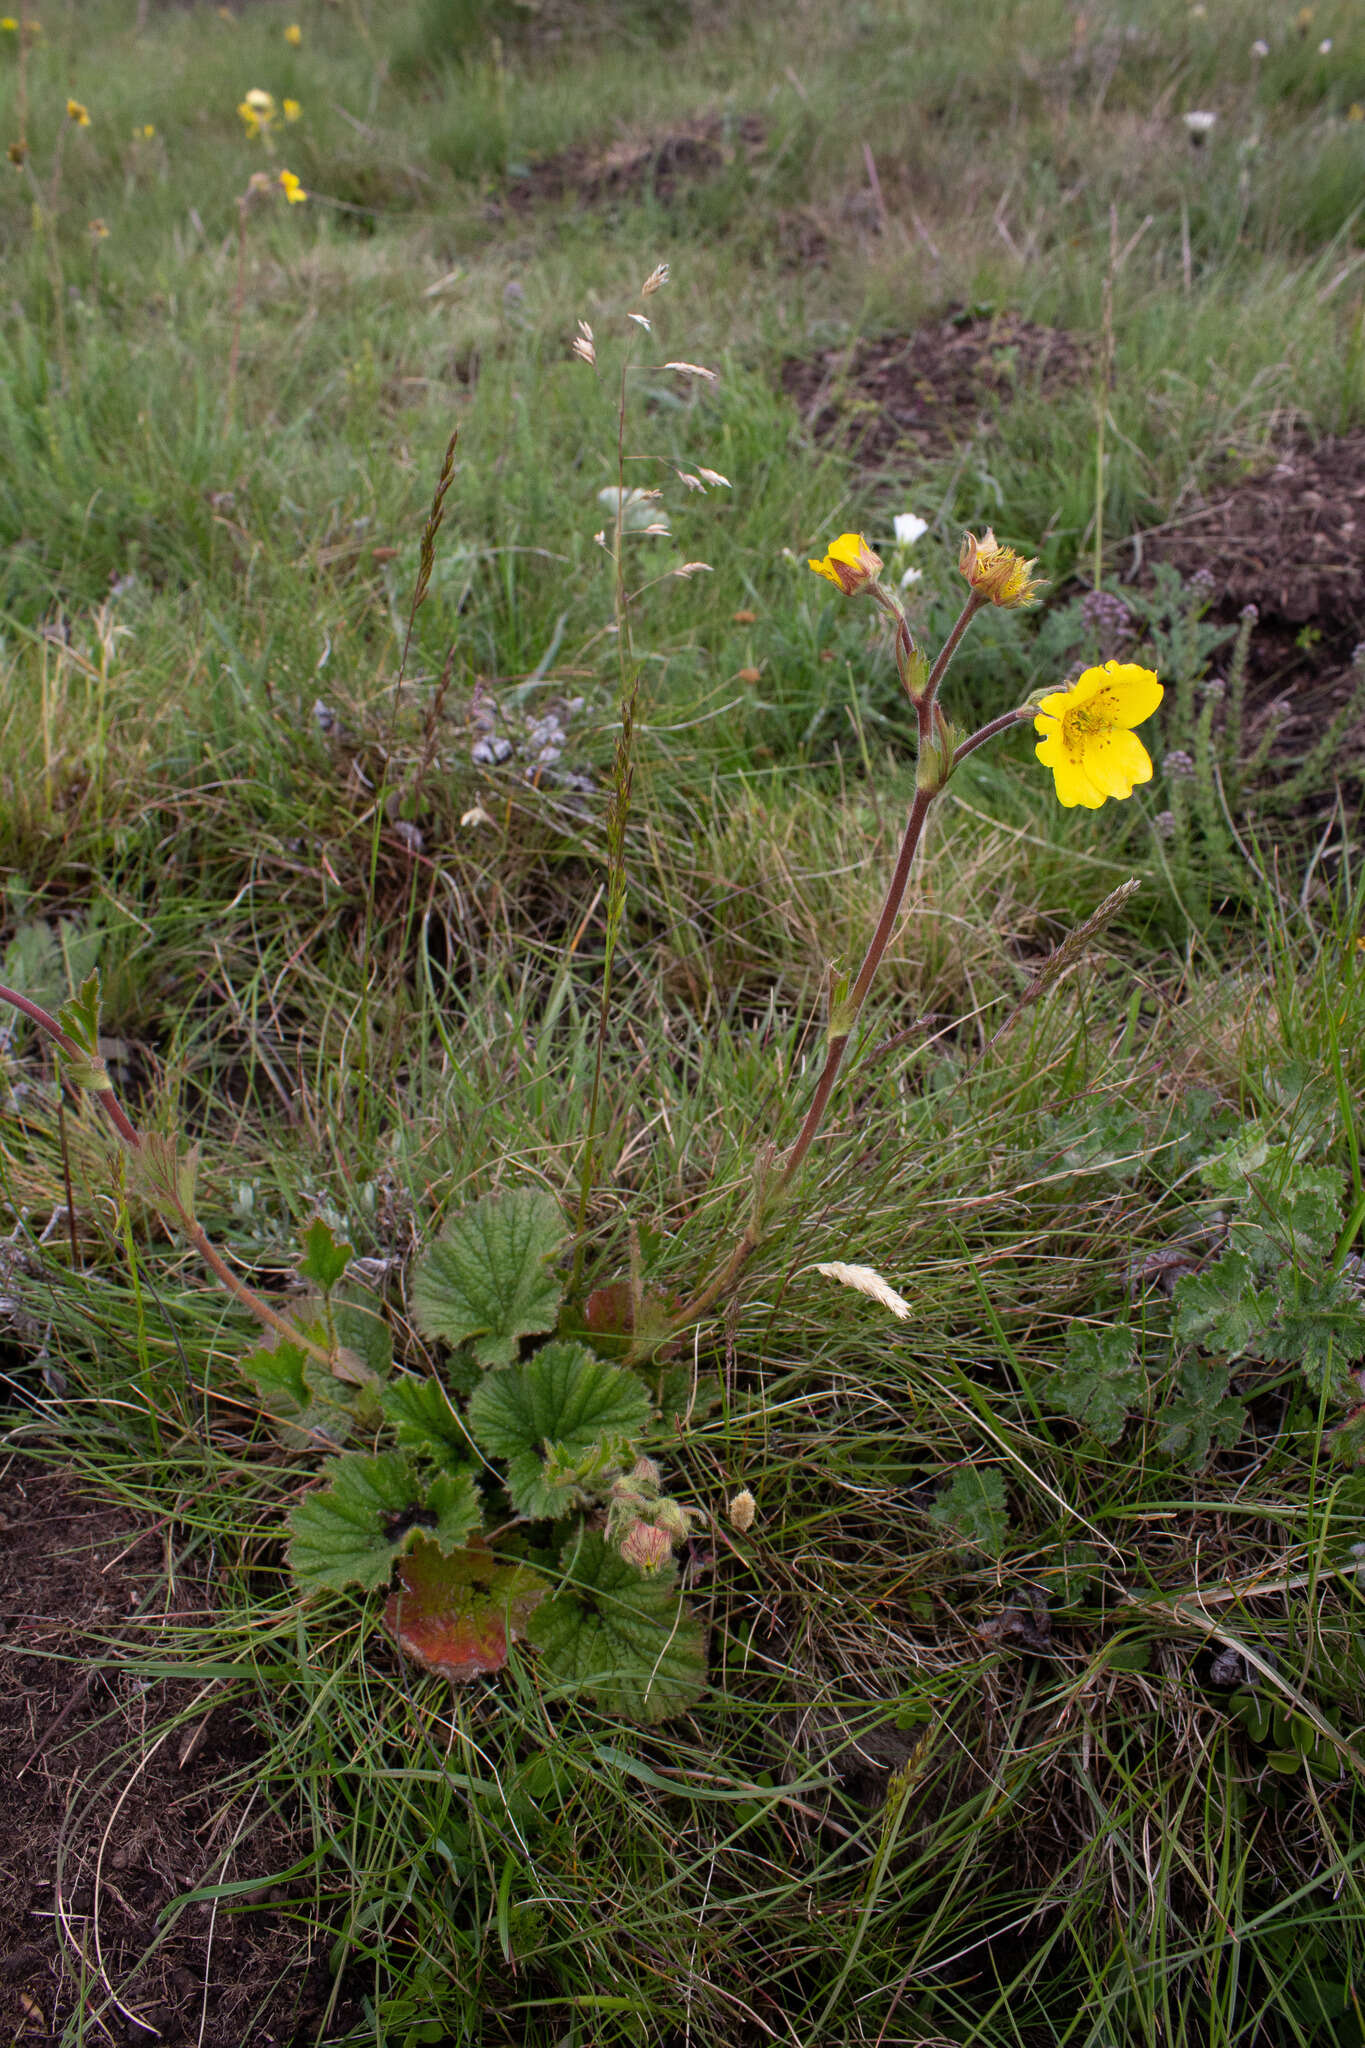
(1291, 541)
(635, 165)
(917, 395)
(106, 1818)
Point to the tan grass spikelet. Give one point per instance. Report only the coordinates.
(866, 1280)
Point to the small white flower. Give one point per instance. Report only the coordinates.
(1260, 48)
(909, 528)
(1199, 122)
(911, 576)
(1325, 47)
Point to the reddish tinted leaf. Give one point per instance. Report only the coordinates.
(609, 1311)
(456, 1614)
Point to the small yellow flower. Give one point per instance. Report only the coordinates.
(998, 574)
(292, 110)
(257, 111)
(77, 113)
(1355, 112)
(850, 564)
(1088, 739)
(99, 230)
(293, 190)
(9, 24)
(144, 133)
(293, 35)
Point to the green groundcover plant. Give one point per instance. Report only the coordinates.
(520, 1496)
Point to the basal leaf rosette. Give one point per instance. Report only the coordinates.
(1088, 739)
(352, 1531)
(486, 1282)
(562, 1418)
(629, 1641)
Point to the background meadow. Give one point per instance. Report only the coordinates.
(1036, 1700)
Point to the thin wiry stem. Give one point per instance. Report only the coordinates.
(933, 773)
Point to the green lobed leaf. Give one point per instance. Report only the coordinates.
(1321, 1328)
(1101, 1382)
(560, 1419)
(486, 1281)
(562, 1396)
(1222, 1310)
(631, 1643)
(973, 1509)
(325, 1259)
(424, 1420)
(307, 1406)
(351, 1531)
(1202, 1416)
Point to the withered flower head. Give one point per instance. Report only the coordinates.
(1000, 575)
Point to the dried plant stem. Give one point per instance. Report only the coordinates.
(189, 1225)
(238, 300)
(623, 775)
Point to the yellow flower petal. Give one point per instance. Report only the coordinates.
(1087, 739)
(850, 564)
(1116, 761)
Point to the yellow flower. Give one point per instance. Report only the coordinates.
(293, 35)
(998, 574)
(257, 111)
(144, 133)
(77, 113)
(1089, 743)
(9, 24)
(1355, 112)
(293, 190)
(292, 110)
(850, 564)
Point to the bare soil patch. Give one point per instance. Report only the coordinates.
(106, 1818)
(1291, 541)
(919, 394)
(634, 165)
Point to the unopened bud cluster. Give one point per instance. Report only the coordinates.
(642, 1520)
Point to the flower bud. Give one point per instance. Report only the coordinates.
(645, 1547)
(742, 1510)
